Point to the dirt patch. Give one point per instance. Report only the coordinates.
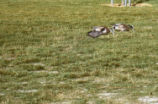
(2, 94)
(143, 5)
(64, 102)
(106, 95)
(115, 5)
(46, 71)
(28, 91)
(133, 5)
(148, 100)
(75, 94)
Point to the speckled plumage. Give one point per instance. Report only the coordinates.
(122, 27)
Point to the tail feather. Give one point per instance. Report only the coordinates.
(94, 34)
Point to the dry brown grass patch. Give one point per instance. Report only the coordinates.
(133, 5)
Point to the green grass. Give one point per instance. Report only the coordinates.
(46, 57)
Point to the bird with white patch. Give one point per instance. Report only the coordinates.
(100, 30)
(122, 27)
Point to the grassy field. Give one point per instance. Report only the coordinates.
(46, 57)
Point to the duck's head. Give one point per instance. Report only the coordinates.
(113, 27)
(116, 25)
(131, 26)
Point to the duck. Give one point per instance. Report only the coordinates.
(100, 30)
(122, 27)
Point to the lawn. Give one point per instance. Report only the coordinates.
(46, 56)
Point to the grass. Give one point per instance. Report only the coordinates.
(46, 57)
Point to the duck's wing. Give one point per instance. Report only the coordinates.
(120, 27)
(94, 34)
(105, 30)
(118, 24)
(98, 28)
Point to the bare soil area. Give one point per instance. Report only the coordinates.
(133, 5)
